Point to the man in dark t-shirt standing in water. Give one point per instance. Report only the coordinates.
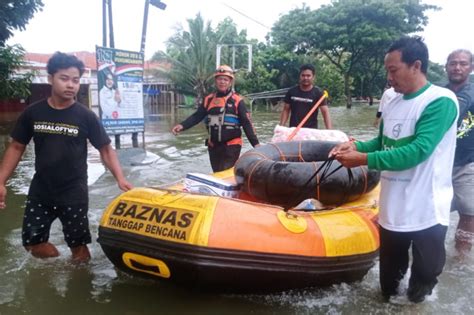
(299, 100)
(60, 128)
(458, 68)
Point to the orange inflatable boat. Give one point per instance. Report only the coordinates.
(230, 244)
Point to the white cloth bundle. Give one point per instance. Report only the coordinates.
(282, 133)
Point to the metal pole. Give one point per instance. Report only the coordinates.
(142, 50)
(218, 55)
(145, 22)
(250, 58)
(112, 45)
(111, 26)
(233, 68)
(233, 57)
(104, 23)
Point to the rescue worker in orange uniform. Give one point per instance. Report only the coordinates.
(226, 114)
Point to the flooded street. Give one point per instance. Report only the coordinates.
(55, 286)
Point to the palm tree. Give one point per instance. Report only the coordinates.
(192, 58)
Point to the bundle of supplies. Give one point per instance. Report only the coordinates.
(210, 185)
(282, 133)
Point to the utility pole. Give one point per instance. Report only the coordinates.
(104, 23)
(107, 12)
(159, 5)
(155, 3)
(111, 27)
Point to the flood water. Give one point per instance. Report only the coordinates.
(54, 286)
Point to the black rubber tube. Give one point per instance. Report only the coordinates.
(277, 173)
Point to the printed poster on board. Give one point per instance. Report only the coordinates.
(120, 86)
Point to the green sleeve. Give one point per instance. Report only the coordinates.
(372, 145)
(435, 120)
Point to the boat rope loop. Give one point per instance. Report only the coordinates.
(277, 173)
(325, 167)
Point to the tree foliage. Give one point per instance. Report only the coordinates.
(15, 14)
(346, 41)
(12, 83)
(329, 79)
(437, 74)
(228, 35)
(273, 68)
(191, 54)
(352, 34)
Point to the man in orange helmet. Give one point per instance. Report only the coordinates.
(226, 114)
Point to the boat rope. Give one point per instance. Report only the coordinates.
(325, 167)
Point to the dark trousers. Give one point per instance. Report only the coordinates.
(223, 156)
(429, 257)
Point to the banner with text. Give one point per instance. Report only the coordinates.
(120, 84)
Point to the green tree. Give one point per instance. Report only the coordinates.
(14, 15)
(329, 79)
(293, 31)
(13, 84)
(228, 36)
(259, 80)
(437, 74)
(369, 74)
(284, 62)
(262, 77)
(191, 54)
(348, 32)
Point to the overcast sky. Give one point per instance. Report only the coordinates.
(76, 25)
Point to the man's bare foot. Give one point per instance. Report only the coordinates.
(43, 250)
(80, 254)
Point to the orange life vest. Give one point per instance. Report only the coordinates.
(223, 123)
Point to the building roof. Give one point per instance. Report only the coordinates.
(38, 62)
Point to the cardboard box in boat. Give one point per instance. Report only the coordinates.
(210, 185)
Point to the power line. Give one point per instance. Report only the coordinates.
(245, 15)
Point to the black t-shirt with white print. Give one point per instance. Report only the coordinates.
(60, 139)
(301, 103)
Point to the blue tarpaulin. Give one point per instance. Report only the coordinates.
(152, 91)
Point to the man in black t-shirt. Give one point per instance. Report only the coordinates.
(299, 101)
(60, 128)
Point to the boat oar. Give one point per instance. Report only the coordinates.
(305, 119)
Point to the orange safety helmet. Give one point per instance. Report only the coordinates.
(224, 70)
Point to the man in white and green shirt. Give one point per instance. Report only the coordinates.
(415, 152)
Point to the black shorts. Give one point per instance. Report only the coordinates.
(39, 217)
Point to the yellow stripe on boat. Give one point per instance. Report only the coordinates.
(345, 233)
(346, 230)
(166, 215)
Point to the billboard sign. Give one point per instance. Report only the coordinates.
(120, 86)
